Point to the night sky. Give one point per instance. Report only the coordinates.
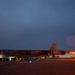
(36, 24)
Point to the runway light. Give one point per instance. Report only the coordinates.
(30, 61)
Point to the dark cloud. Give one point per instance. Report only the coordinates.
(36, 24)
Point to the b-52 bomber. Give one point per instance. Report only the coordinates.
(28, 54)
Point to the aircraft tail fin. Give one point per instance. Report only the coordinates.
(53, 47)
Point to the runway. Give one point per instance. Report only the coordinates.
(43, 67)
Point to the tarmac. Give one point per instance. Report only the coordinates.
(40, 67)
